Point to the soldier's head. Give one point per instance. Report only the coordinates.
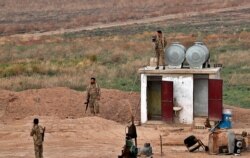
(36, 121)
(92, 81)
(159, 33)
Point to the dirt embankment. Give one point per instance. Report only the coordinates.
(66, 103)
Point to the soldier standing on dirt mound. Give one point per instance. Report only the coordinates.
(160, 44)
(38, 136)
(93, 96)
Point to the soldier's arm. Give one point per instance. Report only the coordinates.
(165, 42)
(99, 91)
(32, 132)
(87, 93)
(156, 43)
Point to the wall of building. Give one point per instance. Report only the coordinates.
(143, 98)
(183, 95)
(183, 89)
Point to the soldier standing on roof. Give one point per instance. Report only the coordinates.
(93, 96)
(37, 133)
(160, 44)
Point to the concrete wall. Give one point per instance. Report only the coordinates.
(183, 94)
(144, 117)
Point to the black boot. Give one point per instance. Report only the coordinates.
(157, 68)
(163, 67)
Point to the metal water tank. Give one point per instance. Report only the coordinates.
(197, 55)
(175, 55)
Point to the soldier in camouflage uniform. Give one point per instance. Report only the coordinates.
(93, 95)
(160, 44)
(37, 132)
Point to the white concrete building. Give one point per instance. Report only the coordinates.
(180, 95)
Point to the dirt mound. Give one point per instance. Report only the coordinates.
(66, 103)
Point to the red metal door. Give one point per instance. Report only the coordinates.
(215, 88)
(167, 100)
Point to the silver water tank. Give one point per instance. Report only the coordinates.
(175, 55)
(197, 55)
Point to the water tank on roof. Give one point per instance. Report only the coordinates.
(175, 55)
(197, 55)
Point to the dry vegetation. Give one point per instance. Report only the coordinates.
(45, 15)
(70, 62)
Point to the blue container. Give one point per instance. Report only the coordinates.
(226, 121)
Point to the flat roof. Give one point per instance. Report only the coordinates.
(151, 70)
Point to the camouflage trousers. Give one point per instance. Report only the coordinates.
(39, 151)
(160, 57)
(94, 106)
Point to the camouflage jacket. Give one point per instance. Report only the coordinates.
(93, 91)
(37, 133)
(160, 43)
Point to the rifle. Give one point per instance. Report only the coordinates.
(87, 104)
(43, 134)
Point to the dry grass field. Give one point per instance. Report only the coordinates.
(44, 15)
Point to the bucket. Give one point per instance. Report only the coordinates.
(226, 121)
